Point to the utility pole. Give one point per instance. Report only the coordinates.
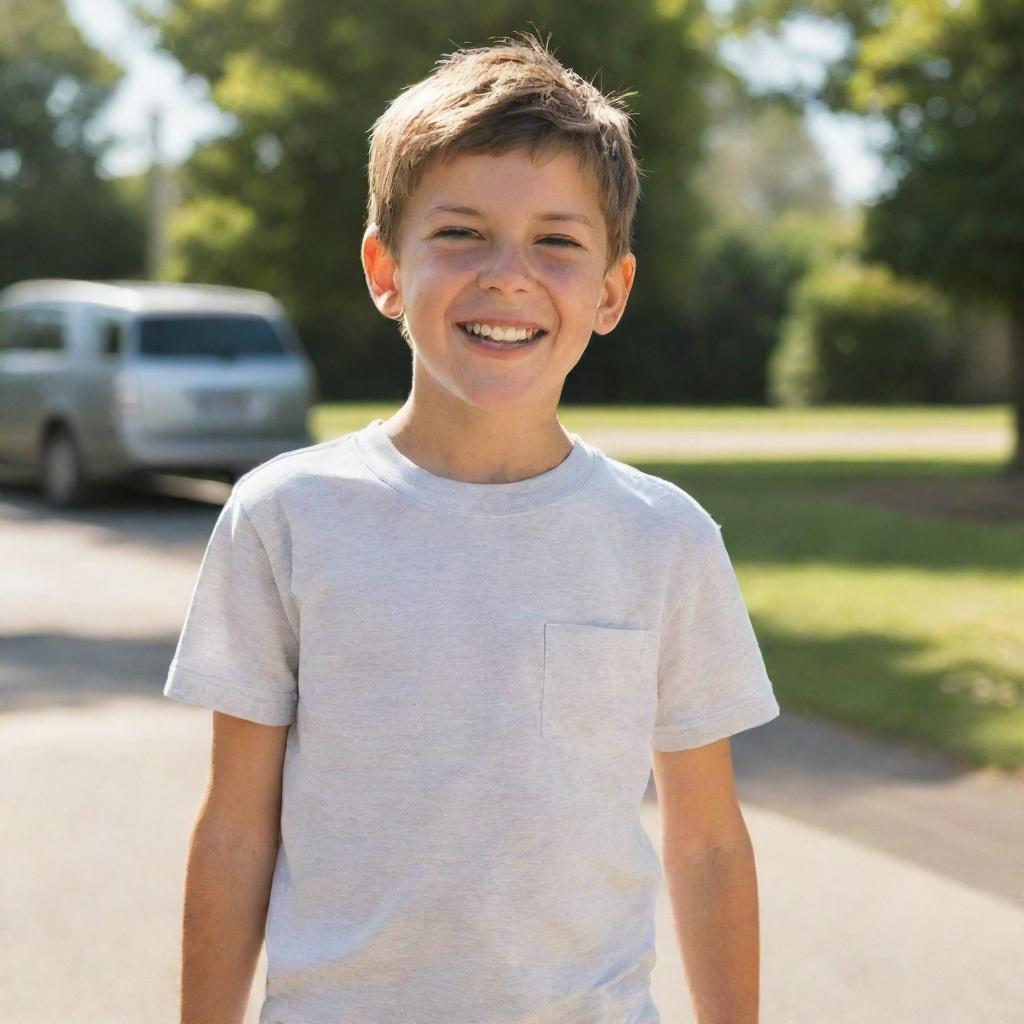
(156, 207)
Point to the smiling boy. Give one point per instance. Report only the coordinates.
(493, 243)
(443, 651)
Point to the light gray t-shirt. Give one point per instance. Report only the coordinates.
(473, 676)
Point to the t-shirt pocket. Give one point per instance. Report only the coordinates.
(599, 693)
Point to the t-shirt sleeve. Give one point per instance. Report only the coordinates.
(712, 681)
(238, 651)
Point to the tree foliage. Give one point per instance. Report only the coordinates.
(57, 217)
(760, 162)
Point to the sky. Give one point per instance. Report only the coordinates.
(154, 80)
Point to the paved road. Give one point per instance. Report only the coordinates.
(891, 882)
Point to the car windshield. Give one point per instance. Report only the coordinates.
(206, 336)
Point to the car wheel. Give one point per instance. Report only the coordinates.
(63, 482)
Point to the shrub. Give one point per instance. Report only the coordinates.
(857, 333)
(737, 301)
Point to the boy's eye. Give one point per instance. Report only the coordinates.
(558, 240)
(454, 233)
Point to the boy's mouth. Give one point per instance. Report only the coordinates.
(496, 334)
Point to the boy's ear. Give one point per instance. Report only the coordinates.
(617, 284)
(381, 274)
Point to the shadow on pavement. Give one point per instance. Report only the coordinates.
(39, 670)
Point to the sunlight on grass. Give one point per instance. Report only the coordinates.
(336, 418)
(894, 651)
(722, 434)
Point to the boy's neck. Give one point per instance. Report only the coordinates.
(478, 450)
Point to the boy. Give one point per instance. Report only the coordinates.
(440, 649)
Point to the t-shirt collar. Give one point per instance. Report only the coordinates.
(381, 456)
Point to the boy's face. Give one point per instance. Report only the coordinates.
(508, 241)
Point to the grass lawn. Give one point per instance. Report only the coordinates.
(904, 622)
(336, 418)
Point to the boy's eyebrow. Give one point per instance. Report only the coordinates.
(468, 211)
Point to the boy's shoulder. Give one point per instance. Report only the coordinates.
(264, 488)
(668, 523)
(656, 503)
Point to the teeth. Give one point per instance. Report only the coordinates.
(501, 333)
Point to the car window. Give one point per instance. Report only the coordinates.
(208, 336)
(35, 330)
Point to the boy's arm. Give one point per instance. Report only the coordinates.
(231, 859)
(708, 863)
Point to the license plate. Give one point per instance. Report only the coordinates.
(221, 403)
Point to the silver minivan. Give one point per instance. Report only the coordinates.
(104, 380)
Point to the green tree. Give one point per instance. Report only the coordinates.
(57, 217)
(279, 203)
(948, 77)
(761, 163)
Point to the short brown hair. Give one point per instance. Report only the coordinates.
(492, 99)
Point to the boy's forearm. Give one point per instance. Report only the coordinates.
(227, 892)
(714, 903)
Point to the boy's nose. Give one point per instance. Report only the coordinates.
(505, 269)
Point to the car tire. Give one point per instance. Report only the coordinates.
(62, 479)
